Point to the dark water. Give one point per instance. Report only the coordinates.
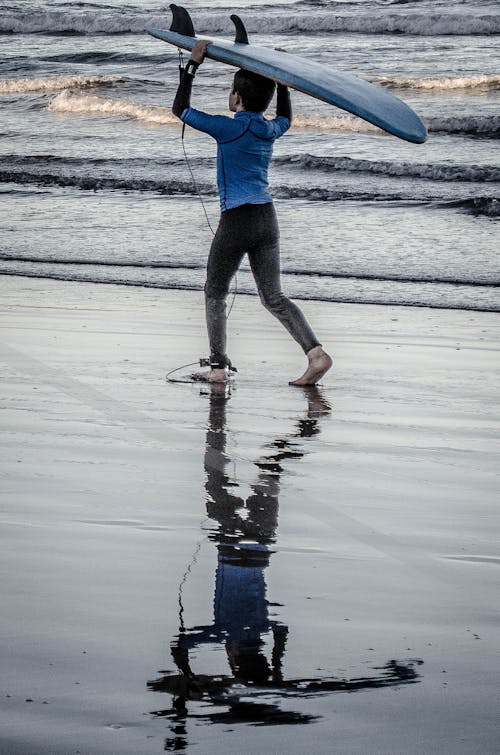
(95, 185)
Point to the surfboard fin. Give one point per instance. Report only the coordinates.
(241, 33)
(181, 21)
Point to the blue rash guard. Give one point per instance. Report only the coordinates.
(244, 151)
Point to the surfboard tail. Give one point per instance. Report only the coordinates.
(335, 87)
(241, 33)
(181, 21)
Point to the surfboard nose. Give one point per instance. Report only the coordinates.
(419, 131)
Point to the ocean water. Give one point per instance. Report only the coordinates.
(95, 185)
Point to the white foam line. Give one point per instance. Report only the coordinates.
(323, 20)
(444, 83)
(76, 103)
(54, 83)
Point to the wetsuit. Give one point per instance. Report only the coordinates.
(248, 223)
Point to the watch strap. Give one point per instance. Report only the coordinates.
(191, 67)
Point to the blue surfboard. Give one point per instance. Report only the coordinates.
(370, 102)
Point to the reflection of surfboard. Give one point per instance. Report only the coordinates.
(359, 97)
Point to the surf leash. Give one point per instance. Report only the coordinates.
(191, 173)
(194, 561)
(202, 362)
(170, 379)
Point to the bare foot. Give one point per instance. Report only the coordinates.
(217, 375)
(319, 364)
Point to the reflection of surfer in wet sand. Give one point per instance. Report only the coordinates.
(248, 219)
(254, 643)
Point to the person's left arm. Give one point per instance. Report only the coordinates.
(283, 103)
(283, 118)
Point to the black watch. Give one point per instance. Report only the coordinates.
(192, 67)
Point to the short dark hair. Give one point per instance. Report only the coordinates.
(256, 91)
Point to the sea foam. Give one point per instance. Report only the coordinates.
(54, 83)
(79, 103)
(431, 171)
(70, 101)
(443, 84)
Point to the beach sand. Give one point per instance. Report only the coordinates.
(374, 500)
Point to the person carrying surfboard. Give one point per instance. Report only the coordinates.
(244, 151)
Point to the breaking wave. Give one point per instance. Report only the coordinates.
(439, 172)
(480, 125)
(55, 83)
(133, 22)
(73, 101)
(443, 84)
(70, 101)
(486, 206)
(468, 173)
(99, 183)
(473, 125)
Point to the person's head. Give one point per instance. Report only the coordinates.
(251, 92)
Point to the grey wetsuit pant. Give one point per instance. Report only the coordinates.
(249, 229)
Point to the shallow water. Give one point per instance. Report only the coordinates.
(92, 166)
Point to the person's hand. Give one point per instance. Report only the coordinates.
(199, 51)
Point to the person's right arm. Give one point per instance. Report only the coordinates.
(183, 96)
(220, 127)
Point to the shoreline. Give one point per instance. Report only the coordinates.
(296, 296)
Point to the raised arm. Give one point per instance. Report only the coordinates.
(283, 102)
(182, 98)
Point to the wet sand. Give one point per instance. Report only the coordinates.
(268, 569)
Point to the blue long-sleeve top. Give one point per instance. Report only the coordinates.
(244, 145)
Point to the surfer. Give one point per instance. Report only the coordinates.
(244, 150)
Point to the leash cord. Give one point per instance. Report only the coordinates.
(193, 179)
(195, 184)
(177, 369)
